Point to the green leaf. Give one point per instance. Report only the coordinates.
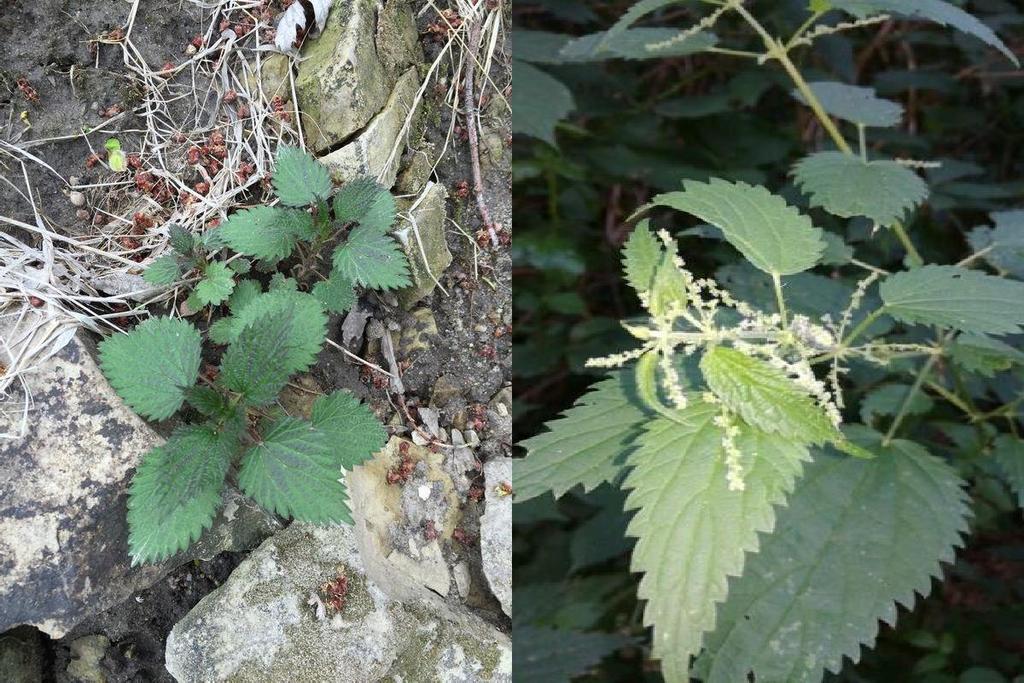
(299, 179)
(176, 491)
(256, 365)
(1004, 243)
(365, 202)
(984, 355)
(772, 235)
(888, 399)
(208, 401)
(942, 13)
(266, 232)
(295, 472)
(372, 259)
(307, 333)
(539, 102)
(240, 265)
(765, 397)
(336, 294)
(693, 532)
(854, 103)
(587, 445)
(858, 537)
(556, 655)
(216, 286)
(355, 432)
(668, 288)
(641, 256)
(245, 293)
(951, 296)
(180, 239)
(151, 366)
(636, 43)
(846, 186)
(1008, 452)
(164, 271)
(634, 14)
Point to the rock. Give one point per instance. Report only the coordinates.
(377, 149)
(269, 622)
(63, 534)
(423, 234)
(416, 173)
(342, 81)
(446, 389)
(21, 656)
(87, 652)
(496, 531)
(419, 333)
(458, 461)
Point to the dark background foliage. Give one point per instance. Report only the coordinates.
(638, 128)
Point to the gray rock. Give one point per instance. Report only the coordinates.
(87, 652)
(271, 621)
(342, 81)
(63, 534)
(21, 656)
(423, 238)
(376, 151)
(496, 531)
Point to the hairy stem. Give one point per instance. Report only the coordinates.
(777, 283)
(914, 388)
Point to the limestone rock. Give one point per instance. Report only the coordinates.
(268, 622)
(373, 151)
(21, 656)
(63, 534)
(496, 531)
(422, 236)
(343, 81)
(87, 652)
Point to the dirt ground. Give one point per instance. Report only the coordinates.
(57, 77)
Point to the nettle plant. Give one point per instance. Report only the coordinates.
(771, 536)
(289, 465)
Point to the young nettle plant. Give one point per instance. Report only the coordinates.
(765, 548)
(289, 465)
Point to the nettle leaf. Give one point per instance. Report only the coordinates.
(857, 538)
(554, 655)
(165, 270)
(256, 364)
(180, 239)
(539, 102)
(587, 445)
(942, 13)
(299, 179)
(266, 232)
(765, 397)
(635, 13)
(336, 294)
(846, 186)
(693, 532)
(1004, 243)
(640, 256)
(244, 294)
(1008, 452)
(175, 492)
(854, 103)
(355, 432)
(772, 235)
(984, 355)
(372, 259)
(668, 288)
(636, 43)
(208, 401)
(888, 399)
(216, 286)
(365, 202)
(151, 366)
(955, 297)
(295, 472)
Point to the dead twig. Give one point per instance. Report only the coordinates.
(471, 127)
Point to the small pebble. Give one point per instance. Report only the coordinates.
(77, 198)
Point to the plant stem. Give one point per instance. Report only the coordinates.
(777, 282)
(863, 325)
(862, 138)
(912, 253)
(914, 388)
(952, 398)
(791, 43)
(734, 53)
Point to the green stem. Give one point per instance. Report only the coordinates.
(862, 138)
(777, 283)
(912, 253)
(914, 388)
(863, 325)
(952, 398)
(734, 53)
(791, 43)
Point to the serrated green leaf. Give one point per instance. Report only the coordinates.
(164, 271)
(355, 432)
(557, 655)
(942, 13)
(216, 286)
(151, 366)
(295, 472)
(854, 103)
(246, 291)
(984, 355)
(954, 297)
(1003, 245)
(539, 102)
(266, 232)
(587, 445)
(772, 235)
(641, 256)
(692, 531)
(636, 43)
(299, 179)
(367, 203)
(846, 186)
(634, 14)
(888, 399)
(668, 288)
(212, 240)
(256, 365)
(240, 265)
(307, 333)
(372, 259)
(208, 401)
(857, 537)
(1008, 452)
(837, 251)
(180, 239)
(176, 491)
(765, 397)
(336, 294)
